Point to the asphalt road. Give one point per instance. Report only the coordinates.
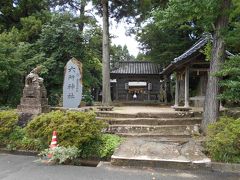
(16, 167)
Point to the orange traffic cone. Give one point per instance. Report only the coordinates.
(53, 144)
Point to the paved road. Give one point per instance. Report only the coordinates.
(16, 167)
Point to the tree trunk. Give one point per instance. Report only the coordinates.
(106, 94)
(211, 105)
(82, 15)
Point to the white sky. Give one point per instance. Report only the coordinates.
(119, 32)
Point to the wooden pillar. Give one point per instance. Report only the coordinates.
(148, 95)
(148, 90)
(165, 89)
(176, 91)
(186, 97)
(97, 93)
(117, 89)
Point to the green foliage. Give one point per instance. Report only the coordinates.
(232, 37)
(207, 51)
(162, 45)
(118, 54)
(17, 134)
(223, 140)
(73, 128)
(10, 73)
(201, 14)
(4, 108)
(230, 83)
(60, 40)
(13, 11)
(87, 98)
(133, 11)
(8, 121)
(50, 40)
(30, 144)
(101, 147)
(18, 140)
(61, 154)
(31, 28)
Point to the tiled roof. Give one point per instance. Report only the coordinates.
(206, 37)
(198, 45)
(193, 49)
(137, 67)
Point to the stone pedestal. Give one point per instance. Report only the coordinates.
(34, 99)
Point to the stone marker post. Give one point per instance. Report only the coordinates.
(72, 86)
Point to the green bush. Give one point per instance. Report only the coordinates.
(61, 154)
(223, 140)
(101, 147)
(18, 140)
(73, 128)
(88, 98)
(8, 121)
(5, 108)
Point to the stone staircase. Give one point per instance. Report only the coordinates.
(177, 124)
(162, 140)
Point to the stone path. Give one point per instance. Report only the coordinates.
(145, 109)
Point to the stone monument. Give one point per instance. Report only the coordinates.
(34, 100)
(72, 86)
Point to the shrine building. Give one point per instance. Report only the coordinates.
(136, 81)
(190, 71)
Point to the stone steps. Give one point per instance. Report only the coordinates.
(161, 163)
(164, 124)
(159, 129)
(160, 153)
(150, 115)
(153, 121)
(166, 139)
(181, 136)
(156, 139)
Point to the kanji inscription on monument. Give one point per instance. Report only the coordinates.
(72, 86)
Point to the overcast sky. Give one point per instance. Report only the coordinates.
(119, 30)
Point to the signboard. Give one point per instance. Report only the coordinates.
(137, 83)
(72, 86)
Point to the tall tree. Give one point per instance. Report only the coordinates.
(74, 6)
(209, 15)
(162, 45)
(106, 92)
(12, 11)
(211, 105)
(119, 10)
(119, 53)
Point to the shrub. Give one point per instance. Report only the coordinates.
(14, 138)
(73, 128)
(18, 140)
(8, 121)
(61, 154)
(223, 140)
(88, 98)
(101, 147)
(5, 108)
(31, 144)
